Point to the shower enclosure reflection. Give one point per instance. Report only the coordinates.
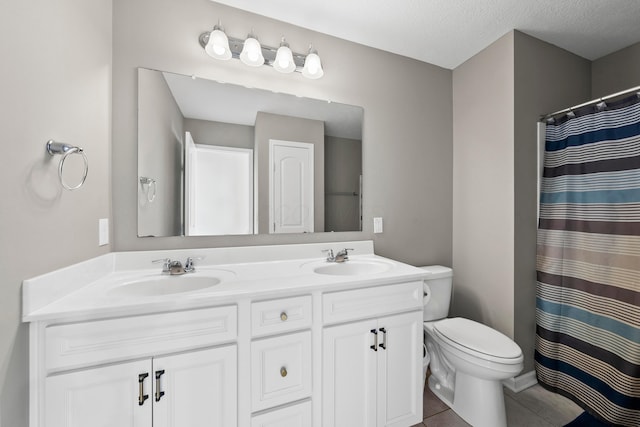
(229, 160)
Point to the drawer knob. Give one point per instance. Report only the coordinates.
(283, 372)
(283, 316)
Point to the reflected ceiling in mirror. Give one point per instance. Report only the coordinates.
(222, 159)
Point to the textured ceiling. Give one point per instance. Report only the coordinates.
(448, 32)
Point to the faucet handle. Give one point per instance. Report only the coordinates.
(343, 255)
(189, 265)
(329, 253)
(166, 264)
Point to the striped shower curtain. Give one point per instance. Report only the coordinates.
(588, 289)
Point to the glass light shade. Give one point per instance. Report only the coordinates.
(218, 45)
(312, 66)
(284, 60)
(252, 53)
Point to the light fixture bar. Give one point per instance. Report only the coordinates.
(268, 52)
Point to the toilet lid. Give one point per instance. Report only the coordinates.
(477, 337)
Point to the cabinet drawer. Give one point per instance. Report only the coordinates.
(282, 315)
(103, 341)
(371, 302)
(280, 370)
(298, 415)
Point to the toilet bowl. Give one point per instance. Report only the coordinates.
(468, 360)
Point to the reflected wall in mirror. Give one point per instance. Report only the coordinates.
(221, 159)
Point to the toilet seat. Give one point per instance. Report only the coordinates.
(476, 339)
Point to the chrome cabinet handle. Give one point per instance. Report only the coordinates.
(283, 372)
(159, 393)
(374, 347)
(283, 316)
(141, 396)
(384, 338)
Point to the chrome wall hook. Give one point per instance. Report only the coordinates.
(54, 148)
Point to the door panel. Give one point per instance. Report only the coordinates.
(399, 368)
(291, 187)
(99, 397)
(349, 375)
(200, 389)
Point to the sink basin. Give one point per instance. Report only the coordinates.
(353, 268)
(163, 285)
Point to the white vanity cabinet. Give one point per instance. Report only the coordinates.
(162, 370)
(282, 339)
(371, 368)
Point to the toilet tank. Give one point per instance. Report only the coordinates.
(438, 288)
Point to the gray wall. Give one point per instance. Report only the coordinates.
(160, 154)
(407, 121)
(616, 72)
(286, 128)
(547, 79)
(499, 95)
(55, 82)
(342, 170)
(483, 98)
(222, 134)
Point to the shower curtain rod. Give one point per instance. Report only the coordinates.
(593, 101)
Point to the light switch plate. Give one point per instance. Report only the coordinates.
(377, 225)
(103, 231)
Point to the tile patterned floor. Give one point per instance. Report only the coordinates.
(533, 407)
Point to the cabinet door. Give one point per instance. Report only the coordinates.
(99, 397)
(349, 375)
(400, 370)
(200, 389)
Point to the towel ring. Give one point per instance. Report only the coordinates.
(54, 148)
(151, 183)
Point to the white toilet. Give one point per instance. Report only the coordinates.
(468, 360)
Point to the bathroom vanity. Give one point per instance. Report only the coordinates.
(256, 336)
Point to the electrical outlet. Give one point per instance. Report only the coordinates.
(377, 225)
(103, 231)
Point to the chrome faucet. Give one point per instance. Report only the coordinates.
(170, 267)
(330, 257)
(341, 256)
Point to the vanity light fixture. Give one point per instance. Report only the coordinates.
(217, 45)
(312, 65)
(220, 46)
(251, 54)
(284, 58)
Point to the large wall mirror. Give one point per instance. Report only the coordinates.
(220, 159)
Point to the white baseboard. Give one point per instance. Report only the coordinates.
(521, 382)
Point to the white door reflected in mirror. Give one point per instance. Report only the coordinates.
(218, 189)
(291, 187)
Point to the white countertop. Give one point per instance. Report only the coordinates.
(86, 290)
